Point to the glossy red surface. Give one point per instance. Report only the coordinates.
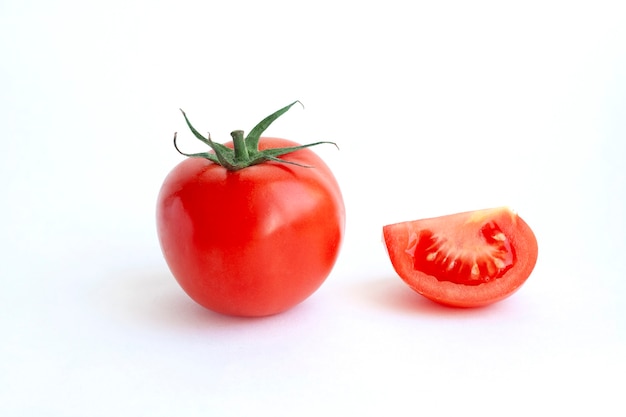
(252, 242)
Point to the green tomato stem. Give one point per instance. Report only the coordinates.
(245, 151)
(241, 151)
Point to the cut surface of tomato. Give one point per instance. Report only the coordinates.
(466, 259)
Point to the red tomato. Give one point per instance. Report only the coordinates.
(466, 259)
(253, 241)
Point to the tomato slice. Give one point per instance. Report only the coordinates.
(466, 259)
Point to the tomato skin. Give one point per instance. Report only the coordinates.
(252, 242)
(458, 227)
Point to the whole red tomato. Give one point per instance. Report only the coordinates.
(253, 227)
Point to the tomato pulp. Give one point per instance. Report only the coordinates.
(466, 259)
(255, 241)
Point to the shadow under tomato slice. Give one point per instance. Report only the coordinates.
(466, 259)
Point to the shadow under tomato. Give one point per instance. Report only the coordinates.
(153, 298)
(391, 294)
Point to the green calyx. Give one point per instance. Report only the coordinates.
(245, 151)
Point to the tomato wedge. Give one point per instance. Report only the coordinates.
(468, 259)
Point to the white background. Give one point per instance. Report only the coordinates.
(437, 107)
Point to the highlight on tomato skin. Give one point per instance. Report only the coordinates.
(468, 259)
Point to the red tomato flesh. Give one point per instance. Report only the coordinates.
(252, 242)
(466, 259)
